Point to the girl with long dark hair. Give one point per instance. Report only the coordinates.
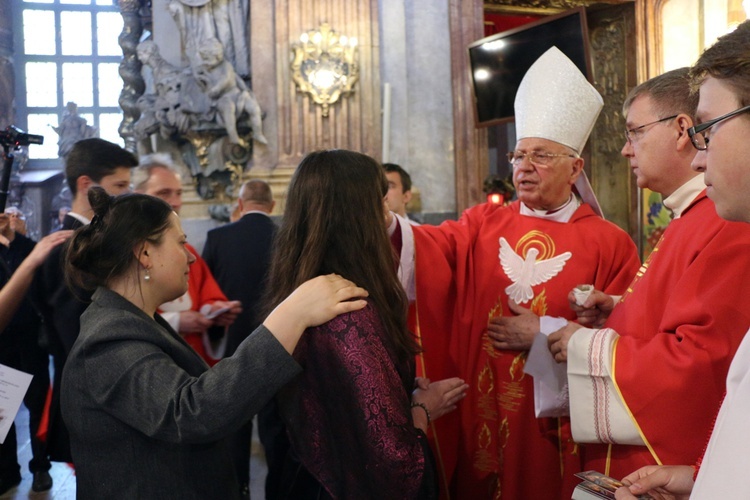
(354, 419)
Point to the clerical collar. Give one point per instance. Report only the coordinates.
(261, 212)
(684, 195)
(560, 214)
(80, 218)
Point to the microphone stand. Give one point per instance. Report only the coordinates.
(4, 186)
(5, 180)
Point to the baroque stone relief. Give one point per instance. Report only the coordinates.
(203, 110)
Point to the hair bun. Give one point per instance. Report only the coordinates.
(100, 201)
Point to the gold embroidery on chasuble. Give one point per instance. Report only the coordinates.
(484, 458)
(486, 388)
(495, 312)
(531, 263)
(642, 270)
(539, 304)
(511, 392)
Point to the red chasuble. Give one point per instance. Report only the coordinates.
(680, 323)
(493, 446)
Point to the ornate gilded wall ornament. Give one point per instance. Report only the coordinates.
(534, 7)
(325, 65)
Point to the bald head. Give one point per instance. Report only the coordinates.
(256, 194)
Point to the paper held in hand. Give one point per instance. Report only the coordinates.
(13, 387)
(209, 314)
(550, 377)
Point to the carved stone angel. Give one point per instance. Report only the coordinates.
(227, 91)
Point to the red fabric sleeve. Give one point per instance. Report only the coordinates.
(202, 286)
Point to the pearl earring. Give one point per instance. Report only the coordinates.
(147, 275)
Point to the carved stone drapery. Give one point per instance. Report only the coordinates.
(203, 115)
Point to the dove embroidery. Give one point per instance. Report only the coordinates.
(525, 273)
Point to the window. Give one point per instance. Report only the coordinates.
(67, 50)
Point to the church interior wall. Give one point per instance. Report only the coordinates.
(418, 50)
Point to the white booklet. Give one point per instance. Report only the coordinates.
(13, 387)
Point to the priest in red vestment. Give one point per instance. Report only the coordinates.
(647, 387)
(530, 252)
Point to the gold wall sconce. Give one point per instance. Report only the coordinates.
(325, 65)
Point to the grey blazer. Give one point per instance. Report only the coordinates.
(147, 417)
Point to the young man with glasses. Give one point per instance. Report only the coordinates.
(646, 380)
(472, 274)
(723, 74)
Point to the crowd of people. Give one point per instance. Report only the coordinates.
(387, 359)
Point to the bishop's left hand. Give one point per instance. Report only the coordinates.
(514, 332)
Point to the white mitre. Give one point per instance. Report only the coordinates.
(556, 102)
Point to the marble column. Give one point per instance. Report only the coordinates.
(415, 59)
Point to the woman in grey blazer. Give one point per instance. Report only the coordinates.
(147, 417)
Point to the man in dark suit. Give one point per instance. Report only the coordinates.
(91, 162)
(238, 255)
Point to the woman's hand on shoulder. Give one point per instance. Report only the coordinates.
(44, 247)
(313, 303)
(321, 299)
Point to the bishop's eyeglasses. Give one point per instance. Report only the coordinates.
(535, 157)
(698, 133)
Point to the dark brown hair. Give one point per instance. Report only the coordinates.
(405, 177)
(670, 94)
(103, 250)
(95, 158)
(334, 223)
(727, 60)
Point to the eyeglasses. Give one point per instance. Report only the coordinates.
(634, 133)
(535, 157)
(698, 133)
